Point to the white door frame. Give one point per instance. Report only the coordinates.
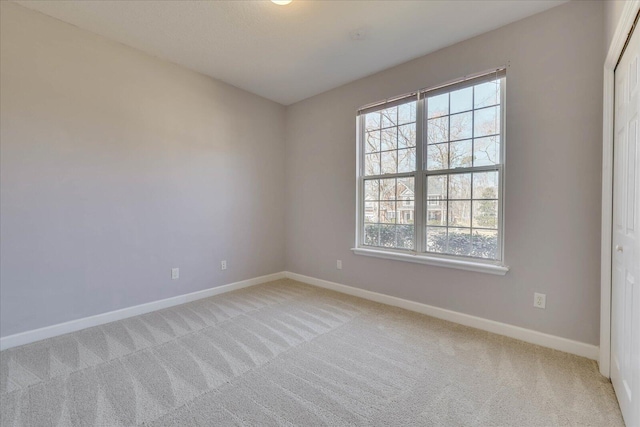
(623, 28)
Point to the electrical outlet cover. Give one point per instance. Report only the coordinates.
(539, 300)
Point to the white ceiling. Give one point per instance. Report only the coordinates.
(289, 53)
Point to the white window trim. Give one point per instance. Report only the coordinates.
(441, 260)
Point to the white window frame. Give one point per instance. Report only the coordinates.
(418, 255)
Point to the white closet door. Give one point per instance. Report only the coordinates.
(625, 302)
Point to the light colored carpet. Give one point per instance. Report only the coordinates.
(285, 353)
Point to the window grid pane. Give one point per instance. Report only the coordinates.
(389, 212)
(462, 222)
(465, 222)
(390, 140)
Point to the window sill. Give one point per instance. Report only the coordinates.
(477, 266)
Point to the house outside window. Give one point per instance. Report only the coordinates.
(431, 170)
(434, 200)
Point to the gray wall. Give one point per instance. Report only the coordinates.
(612, 14)
(553, 177)
(117, 166)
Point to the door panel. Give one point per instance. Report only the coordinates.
(625, 298)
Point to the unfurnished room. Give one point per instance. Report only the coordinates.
(319, 213)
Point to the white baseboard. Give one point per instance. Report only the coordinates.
(534, 337)
(528, 335)
(111, 316)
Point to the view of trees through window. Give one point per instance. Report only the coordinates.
(460, 146)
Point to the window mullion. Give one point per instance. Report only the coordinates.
(419, 179)
(390, 175)
(487, 168)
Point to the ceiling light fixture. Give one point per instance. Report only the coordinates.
(281, 2)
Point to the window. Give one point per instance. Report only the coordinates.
(431, 169)
(434, 199)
